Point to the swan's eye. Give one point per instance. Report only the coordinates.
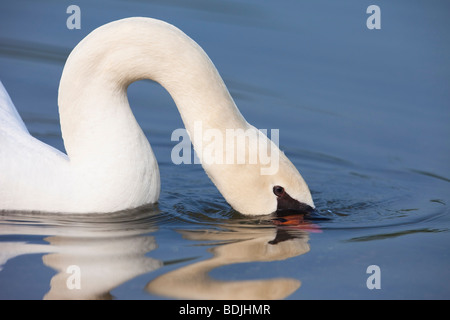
(278, 191)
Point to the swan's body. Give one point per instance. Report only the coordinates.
(109, 164)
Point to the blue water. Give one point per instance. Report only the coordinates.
(363, 114)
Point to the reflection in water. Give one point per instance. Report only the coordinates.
(236, 245)
(101, 264)
(102, 251)
(93, 254)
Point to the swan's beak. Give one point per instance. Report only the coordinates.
(304, 209)
(286, 206)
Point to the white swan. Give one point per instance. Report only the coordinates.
(109, 164)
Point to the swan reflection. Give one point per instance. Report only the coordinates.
(237, 244)
(92, 255)
(106, 251)
(103, 265)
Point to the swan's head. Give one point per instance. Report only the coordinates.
(265, 187)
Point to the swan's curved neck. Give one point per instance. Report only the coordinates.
(96, 120)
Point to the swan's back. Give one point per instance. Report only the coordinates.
(28, 166)
(9, 117)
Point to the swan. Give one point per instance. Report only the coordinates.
(109, 165)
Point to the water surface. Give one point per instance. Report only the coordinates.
(363, 114)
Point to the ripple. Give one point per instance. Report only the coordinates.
(430, 174)
(395, 234)
(373, 215)
(356, 197)
(136, 221)
(29, 51)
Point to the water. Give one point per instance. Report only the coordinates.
(364, 115)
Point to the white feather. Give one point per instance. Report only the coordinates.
(109, 164)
